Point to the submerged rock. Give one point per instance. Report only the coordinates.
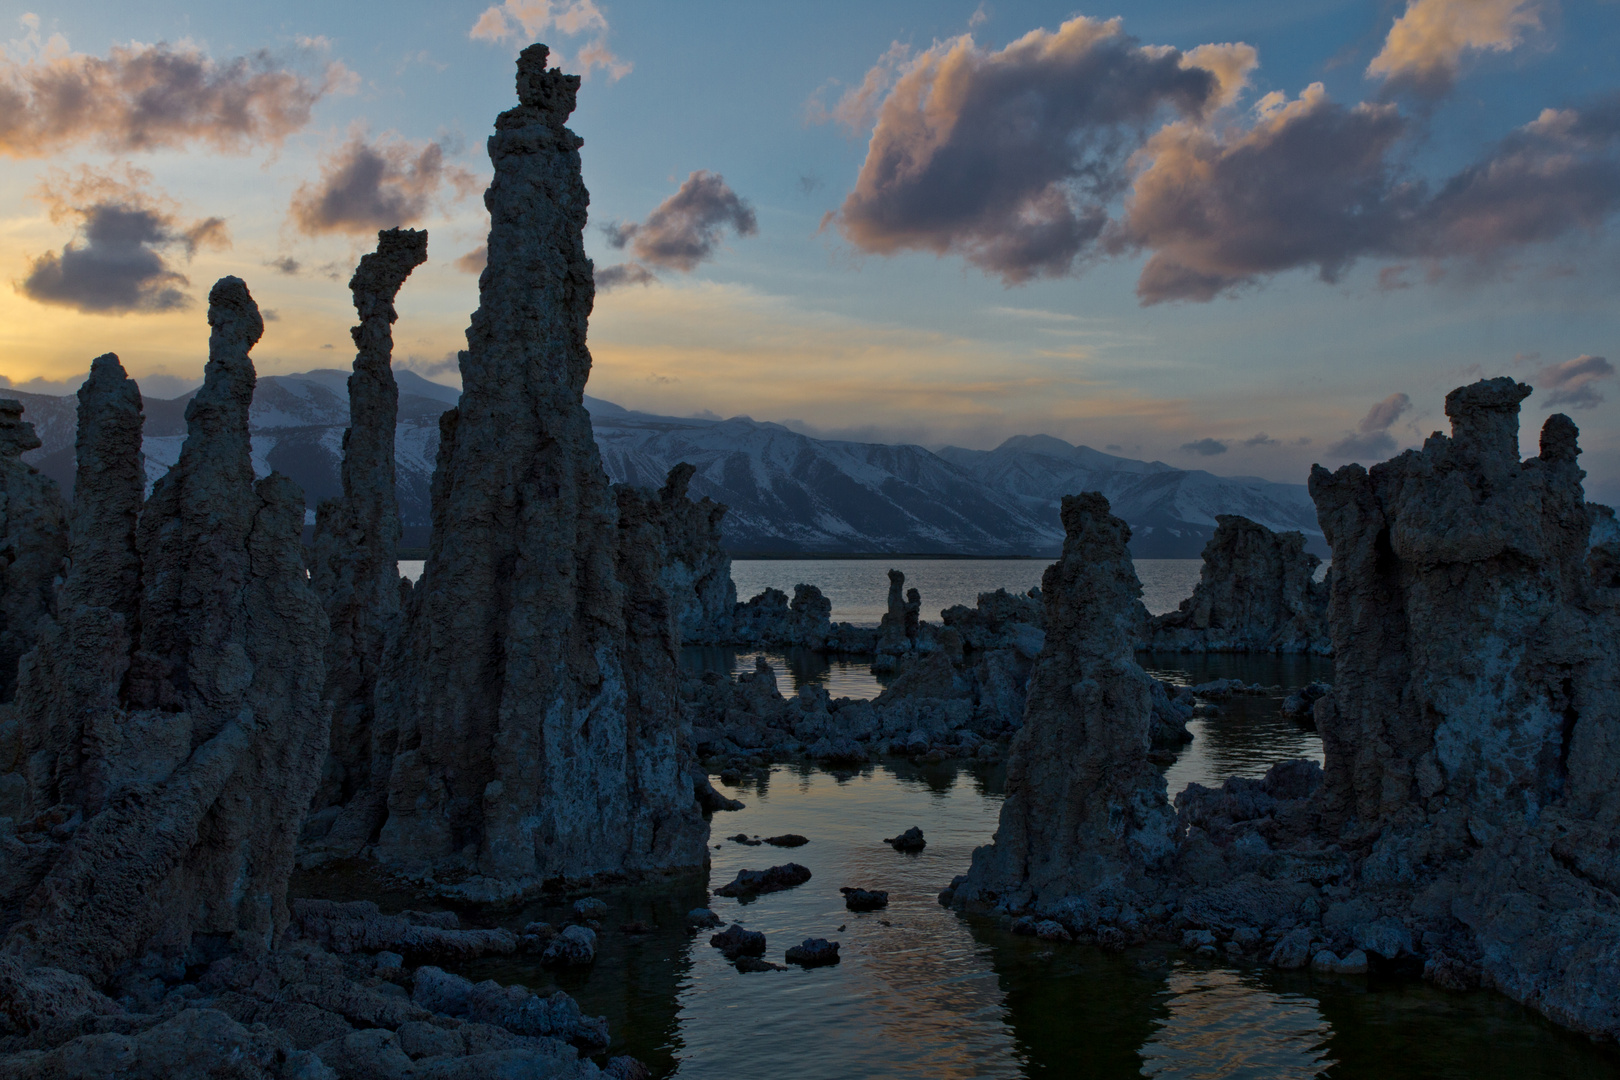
(813, 952)
(735, 941)
(1256, 593)
(755, 882)
(1084, 806)
(910, 840)
(532, 699)
(864, 899)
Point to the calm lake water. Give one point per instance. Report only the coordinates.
(924, 992)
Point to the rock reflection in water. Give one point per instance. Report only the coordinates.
(1251, 734)
(1224, 1023)
(841, 676)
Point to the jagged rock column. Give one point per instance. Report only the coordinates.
(355, 570)
(1472, 737)
(206, 752)
(33, 542)
(1257, 592)
(1084, 807)
(697, 572)
(520, 752)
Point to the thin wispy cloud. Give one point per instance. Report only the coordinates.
(1574, 382)
(1371, 441)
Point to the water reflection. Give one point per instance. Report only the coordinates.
(840, 676)
(1219, 1022)
(1250, 734)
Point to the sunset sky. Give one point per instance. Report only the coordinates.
(1241, 236)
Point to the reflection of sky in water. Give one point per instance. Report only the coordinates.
(859, 588)
(1222, 1023)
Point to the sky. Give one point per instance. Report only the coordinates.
(1246, 236)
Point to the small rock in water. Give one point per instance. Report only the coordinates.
(757, 882)
(747, 964)
(910, 840)
(864, 899)
(574, 947)
(788, 840)
(590, 908)
(1293, 951)
(734, 941)
(814, 952)
(636, 927)
(742, 838)
(701, 917)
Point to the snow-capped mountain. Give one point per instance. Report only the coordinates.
(1171, 511)
(788, 493)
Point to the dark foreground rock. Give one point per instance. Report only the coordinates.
(910, 840)
(1462, 823)
(787, 840)
(735, 941)
(864, 899)
(814, 952)
(757, 882)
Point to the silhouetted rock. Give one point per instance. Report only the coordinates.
(1084, 806)
(1256, 593)
(532, 699)
(787, 840)
(813, 952)
(33, 543)
(697, 570)
(354, 565)
(756, 882)
(864, 899)
(910, 840)
(201, 740)
(735, 941)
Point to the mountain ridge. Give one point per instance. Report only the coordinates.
(789, 494)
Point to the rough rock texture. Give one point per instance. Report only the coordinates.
(33, 543)
(696, 570)
(1084, 806)
(172, 771)
(897, 633)
(526, 712)
(107, 493)
(1473, 730)
(1256, 593)
(354, 567)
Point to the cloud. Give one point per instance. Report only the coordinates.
(449, 362)
(857, 108)
(117, 264)
(533, 19)
(1262, 439)
(1385, 413)
(285, 264)
(1308, 183)
(1315, 184)
(612, 277)
(474, 261)
(1571, 382)
(1373, 446)
(1426, 45)
(1010, 157)
(685, 228)
(366, 186)
(1204, 447)
(149, 97)
(1371, 441)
